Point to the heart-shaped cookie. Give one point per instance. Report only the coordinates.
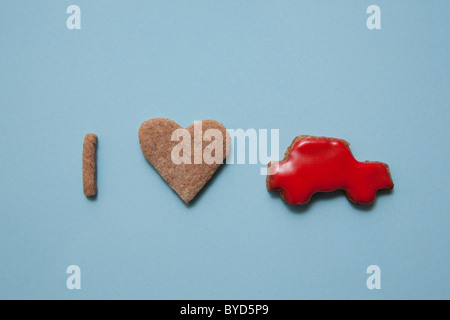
(162, 141)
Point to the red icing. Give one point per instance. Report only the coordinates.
(325, 164)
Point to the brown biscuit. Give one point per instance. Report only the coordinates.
(185, 179)
(90, 165)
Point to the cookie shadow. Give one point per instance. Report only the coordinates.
(370, 207)
(301, 209)
(200, 193)
(328, 196)
(206, 186)
(92, 198)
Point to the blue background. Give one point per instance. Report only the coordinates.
(304, 67)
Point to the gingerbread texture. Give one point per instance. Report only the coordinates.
(320, 164)
(90, 165)
(186, 179)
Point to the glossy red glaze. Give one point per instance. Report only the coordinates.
(318, 164)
